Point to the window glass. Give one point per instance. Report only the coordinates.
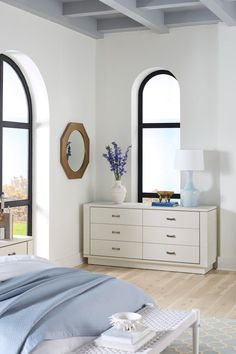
(161, 100)
(15, 106)
(15, 163)
(159, 146)
(20, 215)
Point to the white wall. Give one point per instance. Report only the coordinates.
(66, 61)
(203, 60)
(227, 147)
(189, 53)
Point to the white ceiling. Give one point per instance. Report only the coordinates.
(96, 17)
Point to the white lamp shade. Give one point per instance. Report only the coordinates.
(189, 160)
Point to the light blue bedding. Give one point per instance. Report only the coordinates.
(60, 303)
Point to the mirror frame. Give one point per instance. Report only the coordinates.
(64, 139)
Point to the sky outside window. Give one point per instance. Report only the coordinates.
(15, 107)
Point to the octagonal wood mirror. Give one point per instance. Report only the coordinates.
(74, 154)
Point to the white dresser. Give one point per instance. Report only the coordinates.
(18, 245)
(140, 236)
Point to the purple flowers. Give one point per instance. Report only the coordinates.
(116, 159)
(68, 150)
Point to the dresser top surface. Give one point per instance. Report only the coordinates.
(16, 239)
(147, 206)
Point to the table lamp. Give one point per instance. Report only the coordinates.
(189, 160)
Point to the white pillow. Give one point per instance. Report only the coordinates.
(11, 266)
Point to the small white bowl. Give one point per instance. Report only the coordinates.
(126, 321)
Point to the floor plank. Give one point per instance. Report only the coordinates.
(214, 293)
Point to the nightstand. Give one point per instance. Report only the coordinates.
(18, 245)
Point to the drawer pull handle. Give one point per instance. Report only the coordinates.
(171, 253)
(115, 248)
(12, 254)
(171, 236)
(116, 232)
(170, 219)
(115, 216)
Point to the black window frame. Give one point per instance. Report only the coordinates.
(18, 125)
(141, 127)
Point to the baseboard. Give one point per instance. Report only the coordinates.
(227, 263)
(146, 264)
(69, 261)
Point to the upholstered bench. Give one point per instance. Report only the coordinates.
(168, 325)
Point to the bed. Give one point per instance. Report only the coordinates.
(47, 309)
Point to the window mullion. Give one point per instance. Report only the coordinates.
(30, 170)
(18, 125)
(15, 203)
(1, 119)
(160, 125)
(140, 144)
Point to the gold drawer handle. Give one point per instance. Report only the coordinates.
(171, 219)
(171, 253)
(116, 232)
(115, 216)
(171, 236)
(115, 248)
(12, 254)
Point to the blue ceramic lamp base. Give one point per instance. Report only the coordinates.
(189, 194)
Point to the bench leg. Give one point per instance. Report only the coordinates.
(196, 331)
(196, 338)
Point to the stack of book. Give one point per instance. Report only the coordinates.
(130, 341)
(165, 204)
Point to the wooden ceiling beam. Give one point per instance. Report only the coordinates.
(119, 24)
(86, 8)
(52, 11)
(172, 19)
(225, 10)
(190, 17)
(153, 20)
(165, 4)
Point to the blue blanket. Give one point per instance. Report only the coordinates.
(60, 303)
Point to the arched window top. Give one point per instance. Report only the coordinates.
(161, 98)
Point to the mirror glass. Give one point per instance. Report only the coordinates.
(75, 150)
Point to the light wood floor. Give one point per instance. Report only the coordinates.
(214, 293)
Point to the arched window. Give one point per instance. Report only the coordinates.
(16, 145)
(158, 134)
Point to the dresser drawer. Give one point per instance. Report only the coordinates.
(116, 249)
(188, 237)
(20, 248)
(167, 218)
(116, 216)
(171, 253)
(116, 232)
